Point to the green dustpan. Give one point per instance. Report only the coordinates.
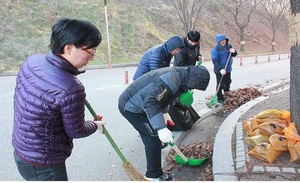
(191, 162)
(181, 159)
(212, 103)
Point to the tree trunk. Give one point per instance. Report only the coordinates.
(242, 38)
(294, 33)
(273, 40)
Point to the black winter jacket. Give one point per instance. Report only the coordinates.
(188, 55)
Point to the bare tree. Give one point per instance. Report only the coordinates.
(294, 34)
(274, 11)
(188, 12)
(241, 11)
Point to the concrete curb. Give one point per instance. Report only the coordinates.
(223, 164)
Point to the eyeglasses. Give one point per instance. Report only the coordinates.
(91, 53)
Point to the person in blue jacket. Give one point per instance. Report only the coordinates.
(145, 101)
(220, 54)
(49, 102)
(159, 56)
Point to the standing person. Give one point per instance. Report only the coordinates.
(190, 53)
(219, 55)
(145, 102)
(49, 102)
(159, 56)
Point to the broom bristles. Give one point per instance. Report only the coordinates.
(132, 172)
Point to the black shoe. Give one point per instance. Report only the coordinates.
(164, 177)
(221, 101)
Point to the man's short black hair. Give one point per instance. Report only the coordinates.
(193, 36)
(67, 31)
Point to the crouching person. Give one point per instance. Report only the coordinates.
(144, 103)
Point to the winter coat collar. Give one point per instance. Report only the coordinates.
(59, 61)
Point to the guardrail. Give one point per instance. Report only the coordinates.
(257, 58)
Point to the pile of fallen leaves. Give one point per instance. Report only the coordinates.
(194, 151)
(235, 98)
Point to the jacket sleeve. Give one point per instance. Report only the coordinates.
(232, 54)
(180, 59)
(198, 52)
(73, 115)
(215, 57)
(155, 60)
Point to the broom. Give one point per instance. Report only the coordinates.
(131, 171)
(214, 100)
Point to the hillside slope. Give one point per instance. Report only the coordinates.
(134, 26)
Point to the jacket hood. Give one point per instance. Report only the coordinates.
(221, 37)
(197, 78)
(173, 43)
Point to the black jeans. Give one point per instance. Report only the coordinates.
(225, 84)
(40, 173)
(151, 142)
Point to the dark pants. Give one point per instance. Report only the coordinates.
(151, 142)
(225, 84)
(41, 173)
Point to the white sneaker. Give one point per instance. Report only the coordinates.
(164, 177)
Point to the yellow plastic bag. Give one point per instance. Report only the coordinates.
(257, 139)
(291, 132)
(292, 147)
(279, 142)
(271, 127)
(254, 133)
(286, 116)
(250, 125)
(265, 152)
(293, 143)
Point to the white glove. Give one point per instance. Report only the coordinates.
(231, 50)
(222, 71)
(167, 117)
(165, 135)
(100, 125)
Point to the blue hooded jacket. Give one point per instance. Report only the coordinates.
(220, 54)
(158, 56)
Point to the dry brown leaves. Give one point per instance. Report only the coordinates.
(235, 98)
(194, 151)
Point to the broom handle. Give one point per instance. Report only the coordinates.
(176, 149)
(219, 85)
(88, 105)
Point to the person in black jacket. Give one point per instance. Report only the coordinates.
(145, 101)
(190, 53)
(187, 56)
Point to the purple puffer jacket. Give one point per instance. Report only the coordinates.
(48, 110)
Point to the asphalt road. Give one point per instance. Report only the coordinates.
(93, 158)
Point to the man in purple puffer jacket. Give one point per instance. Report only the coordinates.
(49, 102)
